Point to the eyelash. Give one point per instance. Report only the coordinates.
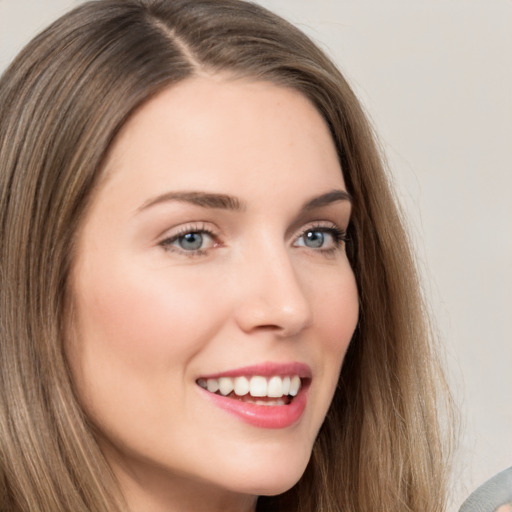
(339, 237)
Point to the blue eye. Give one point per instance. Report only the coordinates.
(321, 238)
(314, 239)
(190, 241)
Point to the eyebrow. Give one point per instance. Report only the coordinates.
(325, 199)
(203, 199)
(227, 202)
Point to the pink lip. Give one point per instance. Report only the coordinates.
(265, 416)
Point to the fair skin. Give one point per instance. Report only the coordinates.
(214, 243)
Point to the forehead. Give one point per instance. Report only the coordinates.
(225, 133)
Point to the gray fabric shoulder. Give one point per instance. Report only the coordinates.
(491, 495)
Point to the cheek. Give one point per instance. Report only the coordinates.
(134, 334)
(336, 307)
(336, 316)
(133, 337)
(144, 316)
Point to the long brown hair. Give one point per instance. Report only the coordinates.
(62, 102)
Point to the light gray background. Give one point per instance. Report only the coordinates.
(436, 78)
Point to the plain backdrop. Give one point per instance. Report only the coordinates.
(435, 77)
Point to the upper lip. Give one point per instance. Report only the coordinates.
(267, 369)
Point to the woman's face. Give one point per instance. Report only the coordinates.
(212, 255)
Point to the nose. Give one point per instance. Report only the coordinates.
(271, 297)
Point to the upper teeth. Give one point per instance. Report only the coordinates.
(256, 386)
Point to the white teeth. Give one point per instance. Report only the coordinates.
(258, 386)
(294, 385)
(225, 385)
(255, 386)
(286, 386)
(241, 386)
(275, 387)
(212, 385)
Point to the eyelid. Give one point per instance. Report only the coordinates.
(319, 225)
(336, 215)
(186, 227)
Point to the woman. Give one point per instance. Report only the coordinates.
(199, 251)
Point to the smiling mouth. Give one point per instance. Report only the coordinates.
(256, 389)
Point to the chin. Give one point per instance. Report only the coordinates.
(275, 477)
(277, 487)
(268, 487)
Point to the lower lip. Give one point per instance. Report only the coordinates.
(263, 416)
